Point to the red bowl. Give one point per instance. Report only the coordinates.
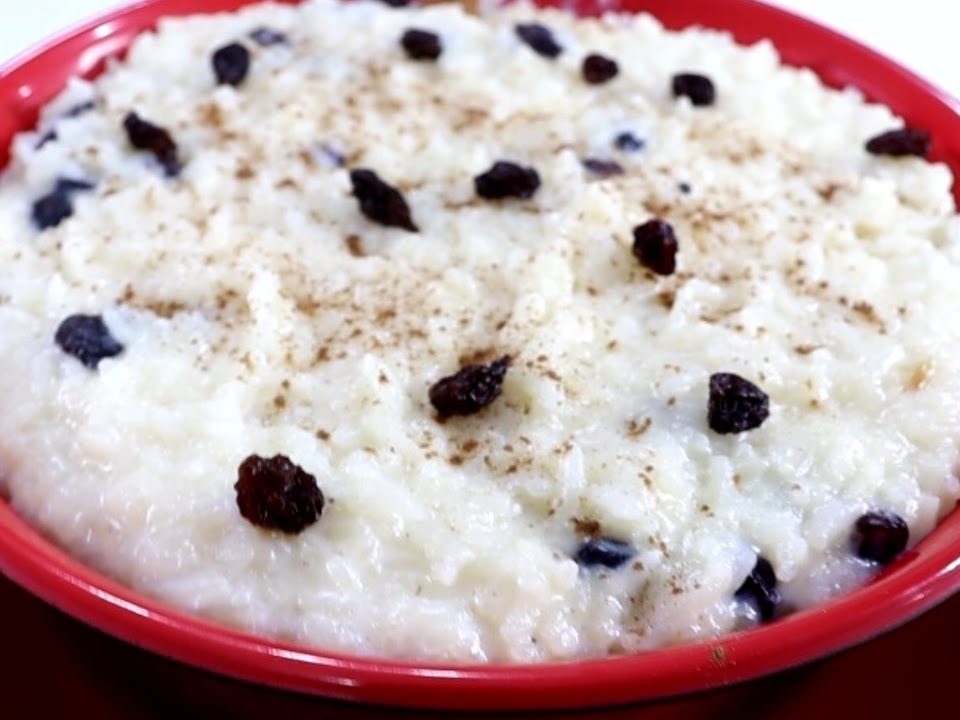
(923, 577)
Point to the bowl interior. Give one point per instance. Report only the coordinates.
(922, 577)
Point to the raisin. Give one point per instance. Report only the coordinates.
(332, 156)
(628, 142)
(655, 246)
(80, 108)
(879, 536)
(735, 405)
(75, 111)
(539, 38)
(470, 389)
(900, 143)
(231, 63)
(265, 37)
(760, 589)
(70, 185)
(507, 180)
(598, 69)
(48, 137)
(277, 494)
(603, 168)
(698, 88)
(87, 338)
(396, 3)
(55, 207)
(51, 210)
(379, 201)
(685, 187)
(605, 552)
(421, 44)
(144, 135)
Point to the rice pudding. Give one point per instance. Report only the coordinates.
(408, 332)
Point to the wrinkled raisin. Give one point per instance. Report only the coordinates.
(265, 37)
(698, 88)
(87, 338)
(48, 137)
(51, 210)
(379, 201)
(332, 156)
(470, 389)
(56, 206)
(80, 108)
(144, 135)
(507, 180)
(71, 185)
(421, 44)
(603, 168)
(879, 536)
(598, 69)
(760, 590)
(277, 494)
(900, 143)
(655, 246)
(628, 142)
(231, 63)
(75, 111)
(735, 405)
(605, 552)
(539, 38)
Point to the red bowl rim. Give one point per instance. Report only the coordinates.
(925, 576)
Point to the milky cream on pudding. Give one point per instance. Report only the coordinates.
(405, 332)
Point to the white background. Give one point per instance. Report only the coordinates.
(920, 33)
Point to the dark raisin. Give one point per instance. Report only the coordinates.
(900, 143)
(760, 590)
(51, 210)
(507, 180)
(628, 142)
(685, 187)
(604, 552)
(231, 63)
(144, 135)
(655, 246)
(603, 168)
(55, 207)
(539, 38)
(265, 37)
(71, 185)
(698, 88)
(396, 3)
(335, 158)
(277, 494)
(470, 389)
(735, 405)
(879, 536)
(75, 111)
(87, 338)
(48, 137)
(380, 202)
(421, 44)
(598, 69)
(80, 109)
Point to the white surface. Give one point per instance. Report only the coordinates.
(925, 44)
